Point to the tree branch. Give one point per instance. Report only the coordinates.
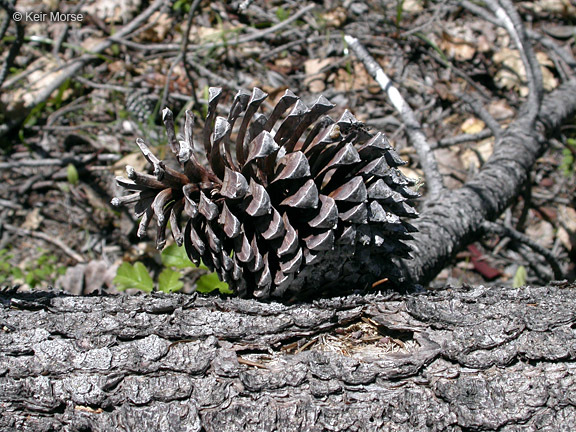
(449, 223)
(416, 137)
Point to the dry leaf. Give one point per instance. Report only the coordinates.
(483, 44)
(45, 71)
(567, 239)
(445, 92)
(469, 158)
(335, 18)
(561, 32)
(359, 79)
(567, 231)
(500, 110)
(413, 174)
(214, 34)
(542, 233)
(315, 78)
(112, 11)
(548, 79)
(33, 220)
(412, 6)
(457, 48)
(512, 75)
(90, 43)
(283, 65)
(133, 159)
(450, 167)
(562, 7)
(472, 125)
(163, 24)
(567, 217)
(88, 277)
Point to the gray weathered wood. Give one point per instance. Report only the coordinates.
(473, 359)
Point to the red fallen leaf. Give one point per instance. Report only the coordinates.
(481, 266)
(547, 212)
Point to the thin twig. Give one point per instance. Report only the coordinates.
(482, 113)
(565, 55)
(413, 129)
(300, 41)
(49, 238)
(15, 48)
(464, 138)
(508, 15)
(256, 35)
(58, 162)
(523, 238)
(479, 88)
(185, 42)
(73, 69)
(10, 204)
(102, 86)
(214, 78)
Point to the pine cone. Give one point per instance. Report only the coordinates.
(304, 202)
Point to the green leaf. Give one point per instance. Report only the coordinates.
(210, 282)
(399, 11)
(72, 174)
(282, 14)
(567, 165)
(519, 277)
(17, 273)
(435, 47)
(175, 256)
(30, 279)
(133, 276)
(169, 281)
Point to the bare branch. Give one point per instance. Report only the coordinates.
(506, 12)
(482, 113)
(507, 231)
(413, 127)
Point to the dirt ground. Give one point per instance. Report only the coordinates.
(60, 152)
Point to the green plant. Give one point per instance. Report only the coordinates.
(44, 269)
(133, 276)
(282, 14)
(182, 6)
(520, 277)
(137, 275)
(568, 165)
(72, 174)
(399, 12)
(7, 270)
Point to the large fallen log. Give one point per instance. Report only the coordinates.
(458, 359)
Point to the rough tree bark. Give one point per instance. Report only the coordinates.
(465, 359)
